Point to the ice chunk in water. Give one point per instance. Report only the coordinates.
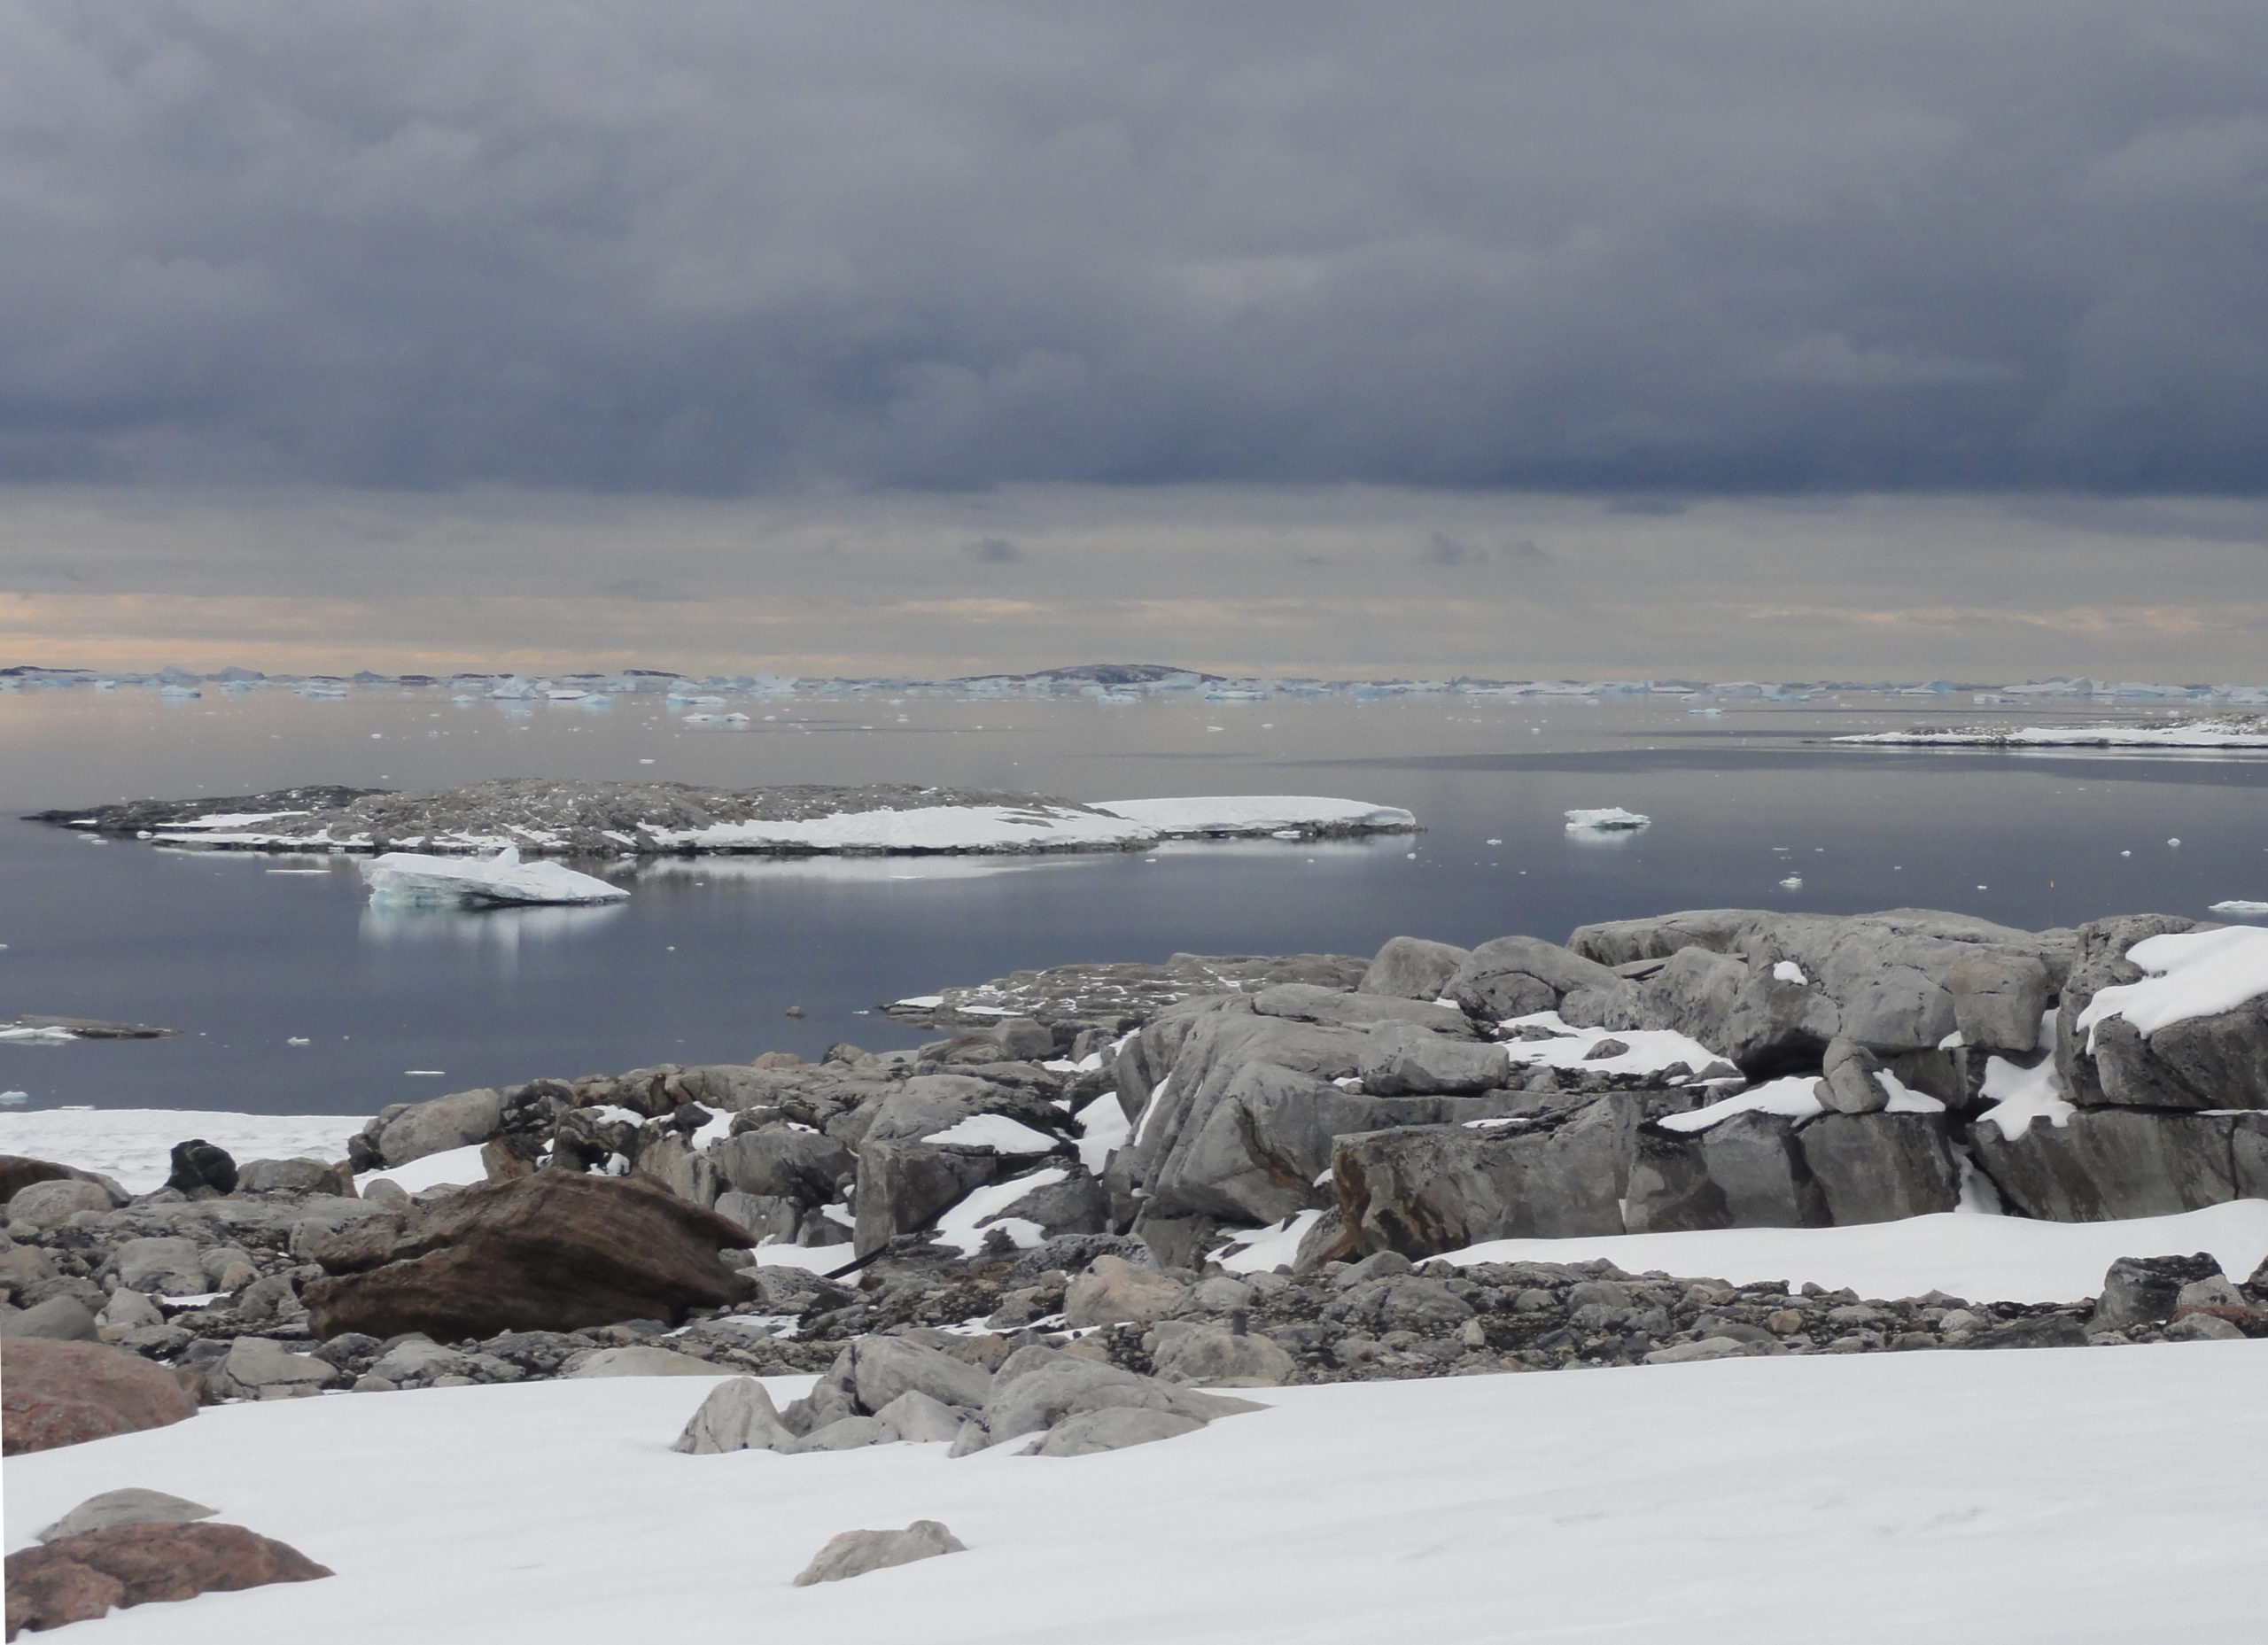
(1607, 819)
(409, 878)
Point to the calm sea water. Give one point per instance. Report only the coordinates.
(703, 962)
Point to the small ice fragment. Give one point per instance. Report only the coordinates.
(1793, 882)
(2174, 843)
(425, 1073)
(1606, 820)
(1492, 842)
(15, 1096)
(295, 1040)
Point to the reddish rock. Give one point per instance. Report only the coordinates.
(77, 1578)
(2252, 1322)
(554, 1251)
(56, 1393)
(18, 1171)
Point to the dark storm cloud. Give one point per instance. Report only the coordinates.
(1632, 248)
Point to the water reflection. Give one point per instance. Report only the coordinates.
(495, 933)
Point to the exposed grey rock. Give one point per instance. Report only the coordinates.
(1880, 1168)
(766, 1218)
(51, 1205)
(1997, 999)
(2203, 1328)
(166, 1265)
(2145, 1290)
(1515, 976)
(1424, 1189)
(1388, 1264)
(128, 1309)
(1425, 1306)
(2109, 1164)
(884, 1368)
(1041, 1396)
(639, 1360)
(1403, 1058)
(1306, 1003)
(846, 1433)
(1220, 1359)
(1114, 1291)
(915, 1417)
(1747, 1171)
(409, 1131)
(855, 1553)
(58, 1319)
(785, 1162)
(1112, 1430)
(132, 1506)
(1410, 967)
(1849, 1082)
(737, 1415)
(292, 1176)
(257, 1368)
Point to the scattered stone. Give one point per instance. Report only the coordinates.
(133, 1505)
(737, 1415)
(58, 1319)
(855, 1553)
(201, 1169)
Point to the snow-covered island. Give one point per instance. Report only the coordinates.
(2236, 731)
(545, 819)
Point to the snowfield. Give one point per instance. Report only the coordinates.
(2072, 1495)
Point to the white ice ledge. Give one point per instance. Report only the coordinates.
(412, 878)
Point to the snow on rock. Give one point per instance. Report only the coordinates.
(410, 879)
(1263, 1250)
(969, 1224)
(2002, 1496)
(1646, 1051)
(996, 1131)
(2238, 731)
(134, 1145)
(2019, 1096)
(2192, 974)
(1961, 1252)
(1103, 1127)
(458, 1166)
(1259, 814)
(1793, 1098)
(1607, 820)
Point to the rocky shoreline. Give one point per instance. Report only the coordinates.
(1259, 1170)
(543, 817)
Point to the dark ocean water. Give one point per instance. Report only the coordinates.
(704, 960)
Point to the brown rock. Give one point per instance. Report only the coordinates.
(16, 1171)
(554, 1251)
(2252, 1322)
(77, 1578)
(57, 1393)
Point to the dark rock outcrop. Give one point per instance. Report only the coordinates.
(552, 1250)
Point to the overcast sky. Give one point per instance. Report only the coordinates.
(1455, 308)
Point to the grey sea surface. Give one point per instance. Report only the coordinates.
(292, 995)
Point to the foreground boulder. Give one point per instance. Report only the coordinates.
(855, 1553)
(76, 1578)
(552, 1250)
(56, 1393)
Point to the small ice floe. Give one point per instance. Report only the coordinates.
(179, 693)
(410, 879)
(1610, 819)
(46, 1035)
(1793, 882)
(12, 1097)
(716, 719)
(296, 1039)
(2236, 908)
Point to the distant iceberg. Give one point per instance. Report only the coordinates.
(409, 878)
(2237, 908)
(1611, 819)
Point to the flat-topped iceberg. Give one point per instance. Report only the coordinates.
(1608, 819)
(1258, 814)
(413, 878)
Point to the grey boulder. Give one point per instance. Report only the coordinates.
(737, 1415)
(1112, 1429)
(855, 1553)
(1410, 967)
(133, 1505)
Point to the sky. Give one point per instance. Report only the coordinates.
(1422, 338)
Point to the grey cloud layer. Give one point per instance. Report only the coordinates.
(720, 248)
